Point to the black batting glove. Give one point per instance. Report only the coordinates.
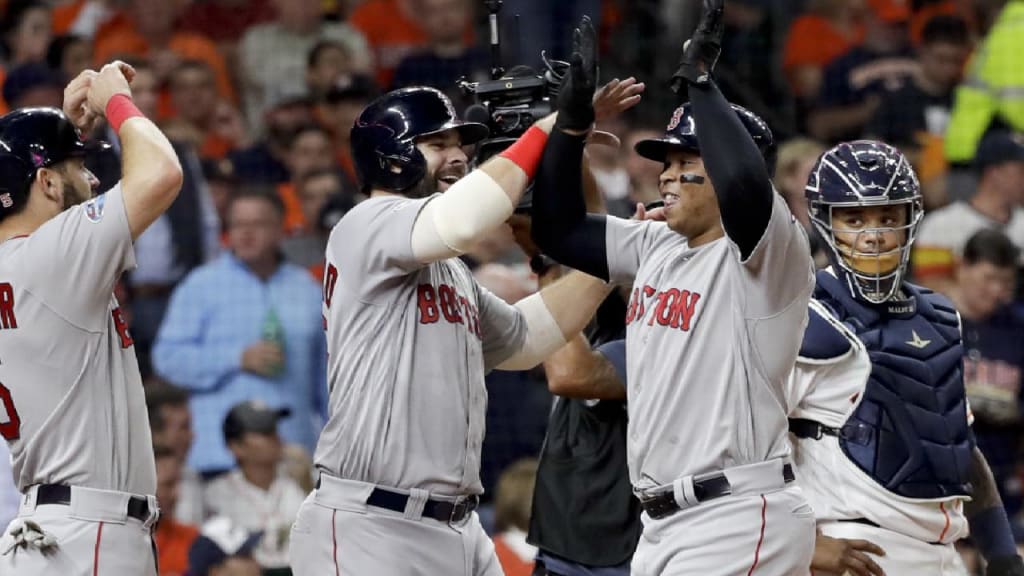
(701, 51)
(576, 95)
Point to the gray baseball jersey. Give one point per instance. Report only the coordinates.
(408, 347)
(73, 409)
(710, 340)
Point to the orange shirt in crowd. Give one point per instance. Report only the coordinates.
(63, 17)
(119, 37)
(390, 34)
(172, 543)
(215, 147)
(511, 563)
(294, 217)
(814, 41)
(4, 109)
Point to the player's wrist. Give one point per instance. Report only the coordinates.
(119, 109)
(526, 152)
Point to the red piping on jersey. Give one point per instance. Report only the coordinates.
(334, 540)
(757, 551)
(17, 236)
(942, 506)
(96, 552)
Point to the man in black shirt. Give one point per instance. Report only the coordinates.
(921, 108)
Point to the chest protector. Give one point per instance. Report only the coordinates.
(912, 435)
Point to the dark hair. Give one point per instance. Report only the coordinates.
(992, 246)
(160, 395)
(945, 28)
(314, 54)
(58, 47)
(15, 13)
(258, 192)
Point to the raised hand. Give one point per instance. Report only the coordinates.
(701, 51)
(112, 79)
(616, 97)
(575, 97)
(76, 105)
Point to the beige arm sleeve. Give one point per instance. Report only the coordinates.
(450, 224)
(543, 336)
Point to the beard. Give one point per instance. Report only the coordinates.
(71, 196)
(431, 183)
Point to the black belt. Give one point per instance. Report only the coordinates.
(804, 428)
(441, 510)
(855, 432)
(138, 507)
(707, 488)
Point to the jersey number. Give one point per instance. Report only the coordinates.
(10, 422)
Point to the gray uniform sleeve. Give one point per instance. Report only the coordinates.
(372, 246)
(502, 328)
(73, 260)
(780, 268)
(626, 242)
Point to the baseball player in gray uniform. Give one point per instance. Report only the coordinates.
(712, 330)
(410, 336)
(71, 401)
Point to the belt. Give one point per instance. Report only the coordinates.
(855, 432)
(60, 494)
(453, 512)
(716, 485)
(440, 510)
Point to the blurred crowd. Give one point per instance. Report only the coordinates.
(258, 97)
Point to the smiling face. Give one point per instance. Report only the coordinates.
(447, 162)
(691, 207)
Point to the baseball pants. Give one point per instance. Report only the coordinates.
(337, 534)
(93, 536)
(903, 554)
(750, 533)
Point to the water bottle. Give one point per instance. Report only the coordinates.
(273, 332)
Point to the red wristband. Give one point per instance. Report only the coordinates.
(527, 150)
(120, 108)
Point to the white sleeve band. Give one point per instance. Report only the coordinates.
(543, 336)
(450, 224)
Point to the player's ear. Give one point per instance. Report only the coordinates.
(51, 184)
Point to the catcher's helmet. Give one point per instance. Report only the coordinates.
(384, 136)
(865, 173)
(30, 139)
(681, 133)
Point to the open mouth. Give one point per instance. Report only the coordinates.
(670, 199)
(449, 179)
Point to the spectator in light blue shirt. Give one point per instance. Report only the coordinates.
(246, 326)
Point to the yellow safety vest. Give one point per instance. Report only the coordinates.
(993, 86)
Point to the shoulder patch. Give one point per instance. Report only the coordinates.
(93, 209)
(824, 341)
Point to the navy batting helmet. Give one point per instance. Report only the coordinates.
(865, 173)
(30, 139)
(384, 136)
(681, 133)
